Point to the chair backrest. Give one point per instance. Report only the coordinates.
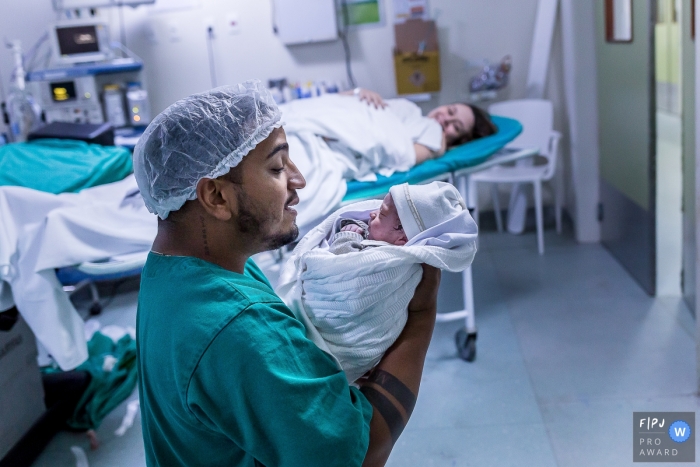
(537, 118)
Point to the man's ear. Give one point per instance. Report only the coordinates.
(217, 198)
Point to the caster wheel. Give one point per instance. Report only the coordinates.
(466, 345)
(95, 309)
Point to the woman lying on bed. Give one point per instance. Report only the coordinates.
(460, 122)
(356, 135)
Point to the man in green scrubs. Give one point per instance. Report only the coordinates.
(227, 375)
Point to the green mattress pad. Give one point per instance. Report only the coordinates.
(460, 157)
(61, 165)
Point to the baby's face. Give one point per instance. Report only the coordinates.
(385, 225)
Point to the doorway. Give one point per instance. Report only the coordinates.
(646, 71)
(669, 167)
(625, 48)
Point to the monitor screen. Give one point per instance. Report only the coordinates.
(63, 91)
(75, 40)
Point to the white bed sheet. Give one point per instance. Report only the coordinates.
(336, 138)
(41, 231)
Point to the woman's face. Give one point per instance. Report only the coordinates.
(456, 121)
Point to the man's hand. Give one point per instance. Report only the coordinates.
(353, 228)
(425, 296)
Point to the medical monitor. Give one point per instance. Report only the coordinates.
(63, 91)
(80, 42)
(62, 5)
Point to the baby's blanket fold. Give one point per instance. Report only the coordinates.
(354, 306)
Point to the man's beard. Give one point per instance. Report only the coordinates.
(250, 223)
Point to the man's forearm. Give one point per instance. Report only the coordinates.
(405, 359)
(392, 387)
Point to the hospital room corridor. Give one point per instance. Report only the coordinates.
(569, 345)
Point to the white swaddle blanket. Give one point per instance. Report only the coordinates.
(354, 306)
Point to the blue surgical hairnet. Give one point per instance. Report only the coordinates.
(202, 136)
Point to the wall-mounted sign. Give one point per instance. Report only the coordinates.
(363, 12)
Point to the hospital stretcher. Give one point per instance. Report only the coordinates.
(61, 165)
(85, 275)
(454, 167)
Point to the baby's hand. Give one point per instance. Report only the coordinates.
(353, 228)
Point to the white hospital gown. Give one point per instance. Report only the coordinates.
(337, 138)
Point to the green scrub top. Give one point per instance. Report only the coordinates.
(227, 376)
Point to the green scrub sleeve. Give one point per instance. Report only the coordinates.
(278, 396)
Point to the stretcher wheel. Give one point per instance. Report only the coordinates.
(95, 309)
(466, 345)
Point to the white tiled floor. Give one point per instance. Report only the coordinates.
(569, 347)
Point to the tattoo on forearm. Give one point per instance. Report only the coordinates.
(204, 236)
(387, 410)
(395, 387)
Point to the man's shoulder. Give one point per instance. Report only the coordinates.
(191, 276)
(185, 305)
(198, 297)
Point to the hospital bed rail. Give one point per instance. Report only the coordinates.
(89, 273)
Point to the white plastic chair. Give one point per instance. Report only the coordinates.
(537, 116)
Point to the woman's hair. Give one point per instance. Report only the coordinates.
(483, 126)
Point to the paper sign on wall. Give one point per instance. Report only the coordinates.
(410, 9)
(363, 12)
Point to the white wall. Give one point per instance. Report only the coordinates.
(25, 20)
(581, 89)
(471, 30)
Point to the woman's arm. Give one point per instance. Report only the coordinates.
(423, 153)
(392, 386)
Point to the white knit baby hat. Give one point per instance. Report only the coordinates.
(421, 207)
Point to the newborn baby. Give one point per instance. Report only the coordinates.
(351, 278)
(434, 203)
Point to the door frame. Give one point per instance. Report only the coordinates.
(628, 227)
